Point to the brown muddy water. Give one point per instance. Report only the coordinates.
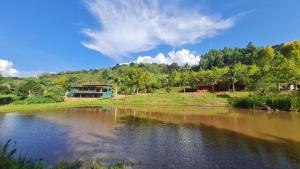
(189, 137)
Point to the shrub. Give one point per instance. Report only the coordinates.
(37, 100)
(295, 107)
(6, 99)
(280, 102)
(247, 102)
(168, 89)
(56, 92)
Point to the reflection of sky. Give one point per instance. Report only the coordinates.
(34, 137)
(149, 140)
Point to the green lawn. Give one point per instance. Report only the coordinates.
(154, 99)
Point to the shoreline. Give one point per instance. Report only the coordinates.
(204, 100)
(198, 100)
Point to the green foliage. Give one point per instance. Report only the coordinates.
(275, 102)
(8, 161)
(247, 102)
(295, 101)
(37, 100)
(6, 99)
(30, 87)
(280, 102)
(63, 81)
(137, 79)
(174, 78)
(55, 92)
(292, 51)
(5, 88)
(168, 89)
(260, 69)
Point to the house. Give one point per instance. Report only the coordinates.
(100, 91)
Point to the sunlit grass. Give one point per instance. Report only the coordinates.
(204, 99)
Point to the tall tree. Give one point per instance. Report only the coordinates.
(220, 75)
(292, 51)
(174, 78)
(30, 87)
(265, 59)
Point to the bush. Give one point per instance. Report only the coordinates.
(280, 102)
(37, 100)
(7, 99)
(56, 92)
(247, 102)
(168, 89)
(295, 107)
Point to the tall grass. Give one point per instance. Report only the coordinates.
(295, 104)
(275, 102)
(8, 160)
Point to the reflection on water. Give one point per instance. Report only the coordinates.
(150, 139)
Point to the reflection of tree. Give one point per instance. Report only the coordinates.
(161, 140)
(237, 151)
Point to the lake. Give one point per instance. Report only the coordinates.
(158, 137)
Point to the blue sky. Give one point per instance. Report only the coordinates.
(59, 35)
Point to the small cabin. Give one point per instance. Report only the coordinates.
(101, 91)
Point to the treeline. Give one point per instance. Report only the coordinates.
(260, 69)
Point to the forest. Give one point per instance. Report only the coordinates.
(264, 71)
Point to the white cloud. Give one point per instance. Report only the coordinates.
(180, 57)
(6, 68)
(139, 25)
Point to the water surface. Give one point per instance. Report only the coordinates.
(146, 138)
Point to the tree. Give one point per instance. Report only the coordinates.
(105, 75)
(237, 73)
(250, 53)
(220, 75)
(130, 78)
(63, 81)
(117, 81)
(144, 80)
(207, 77)
(185, 77)
(292, 51)
(30, 87)
(5, 88)
(265, 59)
(136, 78)
(173, 67)
(56, 92)
(174, 78)
(252, 74)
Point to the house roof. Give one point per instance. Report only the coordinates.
(93, 85)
